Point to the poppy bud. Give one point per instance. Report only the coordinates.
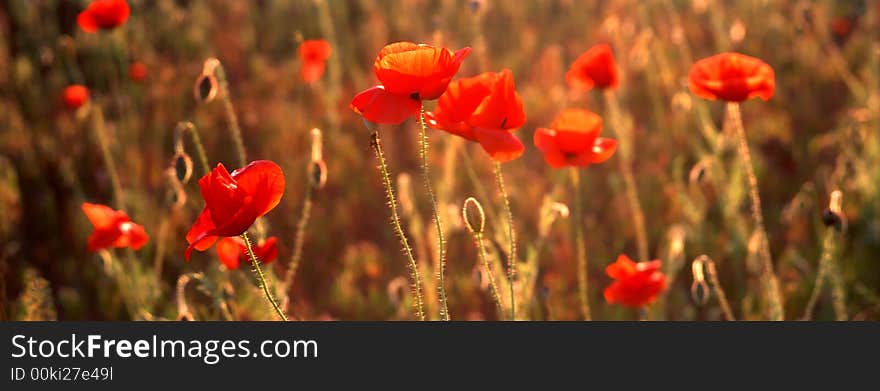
(833, 216)
(205, 89)
(474, 228)
(397, 289)
(830, 218)
(318, 174)
(699, 293)
(183, 166)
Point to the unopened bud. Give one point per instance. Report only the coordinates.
(481, 216)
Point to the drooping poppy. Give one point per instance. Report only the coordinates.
(113, 229)
(635, 284)
(485, 109)
(137, 71)
(313, 54)
(234, 201)
(573, 140)
(104, 15)
(594, 68)
(232, 251)
(74, 96)
(732, 77)
(408, 73)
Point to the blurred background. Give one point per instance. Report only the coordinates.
(819, 133)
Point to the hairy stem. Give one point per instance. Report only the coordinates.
(716, 287)
(298, 243)
(624, 136)
(828, 265)
(234, 129)
(441, 241)
(109, 163)
(577, 233)
(416, 286)
(511, 236)
(768, 277)
(261, 278)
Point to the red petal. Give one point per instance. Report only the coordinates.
(102, 238)
(264, 181)
(267, 251)
(86, 21)
(132, 235)
(622, 268)
(381, 107)
(101, 216)
(545, 141)
(503, 108)
(200, 235)
(228, 250)
(312, 71)
(501, 145)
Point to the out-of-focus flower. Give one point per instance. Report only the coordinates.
(573, 140)
(103, 15)
(635, 284)
(232, 251)
(594, 68)
(113, 229)
(74, 96)
(313, 54)
(732, 77)
(137, 71)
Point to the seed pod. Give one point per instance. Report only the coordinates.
(183, 166)
(474, 228)
(318, 174)
(206, 86)
(699, 293)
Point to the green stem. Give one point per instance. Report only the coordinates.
(484, 260)
(262, 279)
(234, 129)
(426, 175)
(511, 236)
(771, 284)
(298, 243)
(580, 247)
(109, 163)
(189, 127)
(376, 143)
(624, 136)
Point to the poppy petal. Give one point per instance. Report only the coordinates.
(622, 268)
(228, 250)
(200, 235)
(545, 141)
(132, 235)
(86, 21)
(503, 108)
(102, 216)
(501, 145)
(381, 107)
(264, 181)
(312, 71)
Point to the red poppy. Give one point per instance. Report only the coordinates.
(313, 54)
(232, 251)
(113, 228)
(137, 71)
(732, 77)
(103, 14)
(573, 140)
(74, 96)
(635, 284)
(484, 108)
(593, 68)
(408, 73)
(234, 201)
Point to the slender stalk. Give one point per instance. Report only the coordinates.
(708, 266)
(189, 127)
(262, 279)
(298, 243)
(577, 233)
(477, 232)
(441, 244)
(109, 163)
(398, 229)
(234, 129)
(771, 284)
(828, 265)
(624, 138)
(511, 236)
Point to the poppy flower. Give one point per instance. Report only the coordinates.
(74, 96)
(313, 54)
(573, 140)
(593, 68)
(408, 73)
(137, 71)
(232, 251)
(234, 201)
(732, 77)
(635, 284)
(484, 108)
(103, 14)
(113, 229)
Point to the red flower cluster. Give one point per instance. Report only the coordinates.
(636, 284)
(104, 15)
(594, 68)
(408, 73)
(485, 109)
(234, 201)
(573, 140)
(233, 251)
(113, 229)
(313, 54)
(74, 96)
(732, 77)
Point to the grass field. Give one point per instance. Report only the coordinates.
(679, 160)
